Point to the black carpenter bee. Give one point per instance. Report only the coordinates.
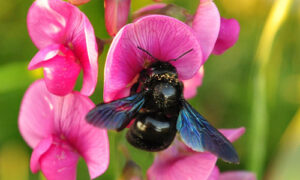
(159, 110)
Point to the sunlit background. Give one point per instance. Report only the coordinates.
(255, 84)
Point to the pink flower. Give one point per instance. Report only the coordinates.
(215, 34)
(55, 127)
(191, 85)
(181, 162)
(66, 42)
(116, 15)
(164, 37)
(206, 24)
(228, 35)
(223, 32)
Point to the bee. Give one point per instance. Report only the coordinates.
(159, 110)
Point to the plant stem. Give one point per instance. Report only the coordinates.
(259, 122)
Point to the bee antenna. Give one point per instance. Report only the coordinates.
(147, 52)
(185, 53)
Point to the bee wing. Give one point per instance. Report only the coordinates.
(199, 135)
(116, 114)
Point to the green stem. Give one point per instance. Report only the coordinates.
(259, 123)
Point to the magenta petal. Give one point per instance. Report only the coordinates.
(89, 141)
(191, 85)
(60, 161)
(85, 48)
(206, 24)
(58, 22)
(116, 15)
(237, 175)
(47, 21)
(233, 134)
(61, 72)
(36, 114)
(38, 151)
(228, 35)
(214, 174)
(164, 37)
(44, 55)
(197, 166)
(43, 114)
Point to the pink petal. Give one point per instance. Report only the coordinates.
(164, 37)
(228, 35)
(85, 48)
(89, 141)
(197, 166)
(237, 175)
(36, 114)
(60, 161)
(233, 134)
(58, 22)
(214, 174)
(206, 24)
(43, 114)
(44, 55)
(38, 151)
(116, 14)
(60, 72)
(180, 162)
(191, 85)
(47, 22)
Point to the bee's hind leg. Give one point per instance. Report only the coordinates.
(134, 88)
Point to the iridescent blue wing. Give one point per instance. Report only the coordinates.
(199, 135)
(116, 114)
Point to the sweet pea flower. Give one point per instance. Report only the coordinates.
(228, 35)
(116, 15)
(163, 37)
(55, 127)
(66, 42)
(223, 32)
(215, 34)
(181, 162)
(191, 85)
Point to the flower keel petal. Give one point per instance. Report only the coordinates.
(60, 161)
(228, 35)
(38, 151)
(61, 73)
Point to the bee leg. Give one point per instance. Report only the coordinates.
(134, 88)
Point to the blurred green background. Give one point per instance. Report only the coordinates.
(256, 84)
